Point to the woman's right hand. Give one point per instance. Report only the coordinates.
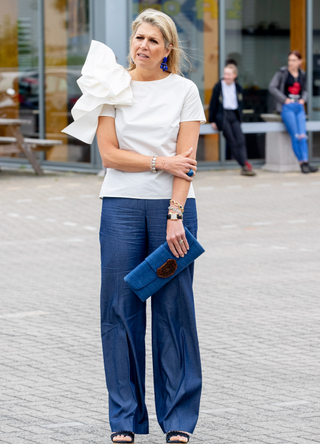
(287, 101)
(179, 165)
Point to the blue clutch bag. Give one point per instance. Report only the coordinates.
(160, 267)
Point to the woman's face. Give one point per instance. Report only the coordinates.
(148, 48)
(294, 62)
(229, 75)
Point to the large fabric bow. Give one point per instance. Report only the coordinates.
(103, 81)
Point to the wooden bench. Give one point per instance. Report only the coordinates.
(41, 144)
(16, 144)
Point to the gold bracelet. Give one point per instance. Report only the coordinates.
(174, 202)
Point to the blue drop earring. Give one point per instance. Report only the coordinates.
(132, 60)
(164, 65)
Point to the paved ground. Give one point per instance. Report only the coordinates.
(257, 296)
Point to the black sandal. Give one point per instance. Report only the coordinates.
(130, 434)
(176, 433)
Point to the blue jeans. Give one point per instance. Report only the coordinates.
(294, 118)
(130, 230)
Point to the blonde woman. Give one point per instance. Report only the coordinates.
(147, 121)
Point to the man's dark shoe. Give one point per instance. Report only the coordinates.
(304, 167)
(245, 171)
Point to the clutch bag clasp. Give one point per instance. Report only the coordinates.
(167, 269)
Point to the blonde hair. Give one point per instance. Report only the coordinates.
(233, 67)
(170, 37)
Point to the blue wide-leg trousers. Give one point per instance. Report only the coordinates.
(130, 230)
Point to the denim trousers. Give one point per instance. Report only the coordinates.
(294, 119)
(130, 230)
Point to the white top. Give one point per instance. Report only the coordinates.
(150, 126)
(147, 120)
(229, 95)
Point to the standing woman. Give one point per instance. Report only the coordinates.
(289, 87)
(148, 120)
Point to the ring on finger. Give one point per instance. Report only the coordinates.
(190, 173)
(181, 241)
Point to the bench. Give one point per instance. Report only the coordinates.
(279, 153)
(17, 144)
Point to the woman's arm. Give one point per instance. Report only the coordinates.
(118, 159)
(274, 88)
(304, 93)
(188, 137)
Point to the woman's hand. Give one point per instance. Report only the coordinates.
(178, 165)
(301, 101)
(176, 233)
(287, 101)
(214, 126)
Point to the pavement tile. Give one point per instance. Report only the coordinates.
(256, 296)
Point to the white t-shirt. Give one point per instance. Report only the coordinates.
(229, 95)
(150, 126)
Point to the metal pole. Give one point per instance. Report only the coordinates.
(222, 36)
(222, 57)
(41, 69)
(97, 31)
(91, 20)
(310, 67)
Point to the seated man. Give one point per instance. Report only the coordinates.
(225, 115)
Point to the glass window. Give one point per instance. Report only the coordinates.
(197, 24)
(67, 40)
(258, 39)
(315, 94)
(19, 63)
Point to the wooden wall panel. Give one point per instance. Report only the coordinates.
(9, 62)
(56, 91)
(298, 17)
(211, 70)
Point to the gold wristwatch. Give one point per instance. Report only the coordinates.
(174, 216)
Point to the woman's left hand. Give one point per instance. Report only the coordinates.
(301, 101)
(176, 234)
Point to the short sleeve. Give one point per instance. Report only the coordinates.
(192, 109)
(108, 111)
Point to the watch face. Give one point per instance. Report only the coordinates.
(174, 216)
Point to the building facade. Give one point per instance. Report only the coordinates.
(43, 45)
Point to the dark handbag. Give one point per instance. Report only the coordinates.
(160, 267)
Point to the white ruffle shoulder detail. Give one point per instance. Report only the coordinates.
(103, 81)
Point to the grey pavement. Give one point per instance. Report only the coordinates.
(257, 292)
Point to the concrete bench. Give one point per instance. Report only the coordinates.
(279, 152)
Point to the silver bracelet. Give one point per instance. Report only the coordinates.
(176, 210)
(153, 164)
